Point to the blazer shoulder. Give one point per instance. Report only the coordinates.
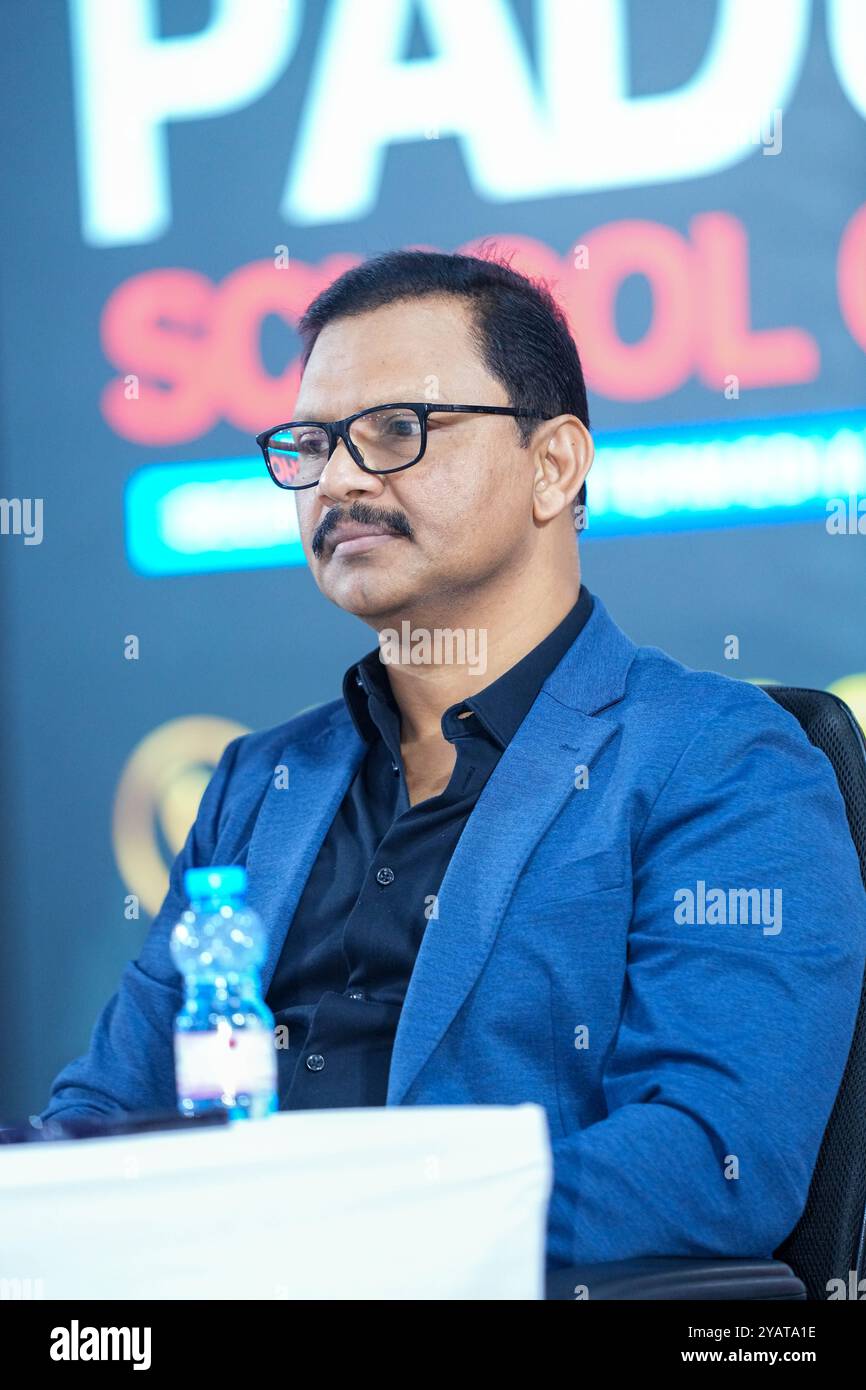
(687, 699)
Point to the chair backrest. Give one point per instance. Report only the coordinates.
(829, 1240)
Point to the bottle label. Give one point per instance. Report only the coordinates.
(224, 1062)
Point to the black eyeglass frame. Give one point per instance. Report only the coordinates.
(339, 429)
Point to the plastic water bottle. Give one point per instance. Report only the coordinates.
(224, 1048)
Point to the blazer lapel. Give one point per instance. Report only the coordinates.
(294, 821)
(526, 790)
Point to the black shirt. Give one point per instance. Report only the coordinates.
(346, 962)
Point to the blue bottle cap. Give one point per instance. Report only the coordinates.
(216, 882)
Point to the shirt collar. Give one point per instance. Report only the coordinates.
(499, 708)
(366, 688)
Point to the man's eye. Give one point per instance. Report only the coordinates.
(405, 425)
(310, 445)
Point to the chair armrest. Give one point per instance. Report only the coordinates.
(678, 1277)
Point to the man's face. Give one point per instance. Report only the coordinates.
(462, 513)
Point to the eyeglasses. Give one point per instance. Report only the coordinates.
(381, 439)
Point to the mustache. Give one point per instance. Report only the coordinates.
(364, 515)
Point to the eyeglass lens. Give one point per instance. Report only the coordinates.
(385, 439)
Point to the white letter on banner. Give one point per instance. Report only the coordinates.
(604, 138)
(364, 97)
(129, 84)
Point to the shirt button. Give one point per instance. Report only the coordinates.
(358, 680)
(395, 767)
(385, 876)
(315, 1062)
(355, 993)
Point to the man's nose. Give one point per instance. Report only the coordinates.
(341, 475)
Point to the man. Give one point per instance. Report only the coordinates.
(544, 865)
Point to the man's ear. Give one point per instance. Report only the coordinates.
(563, 457)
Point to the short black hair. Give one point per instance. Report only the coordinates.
(521, 333)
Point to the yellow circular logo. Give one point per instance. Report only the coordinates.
(158, 797)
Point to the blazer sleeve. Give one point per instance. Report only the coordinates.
(129, 1065)
(733, 1037)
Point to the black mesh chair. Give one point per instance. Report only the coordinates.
(829, 1241)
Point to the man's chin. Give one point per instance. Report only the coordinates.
(369, 593)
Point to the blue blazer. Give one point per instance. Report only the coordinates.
(596, 948)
